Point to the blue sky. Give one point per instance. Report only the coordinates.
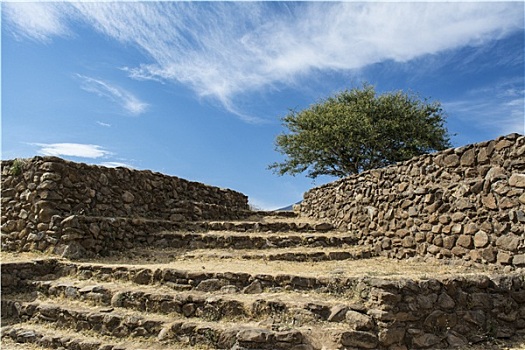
(197, 89)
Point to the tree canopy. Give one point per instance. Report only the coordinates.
(358, 130)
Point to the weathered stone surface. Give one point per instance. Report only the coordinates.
(359, 339)
(481, 239)
(468, 158)
(508, 242)
(337, 313)
(143, 277)
(518, 260)
(517, 180)
(489, 201)
(464, 241)
(391, 335)
(425, 340)
(504, 258)
(359, 321)
(445, 301)
(324, 226)
(254, 288)
(253, 335)
(210, 285)
(128, 197)
(452, 160)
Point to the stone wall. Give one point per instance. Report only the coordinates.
(466, 202)
(42, 195)
(446, 312)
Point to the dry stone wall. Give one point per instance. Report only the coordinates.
(49, 202)
(466, 202)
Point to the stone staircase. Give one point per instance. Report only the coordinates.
(270, 281)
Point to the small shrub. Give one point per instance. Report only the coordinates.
(17, 167)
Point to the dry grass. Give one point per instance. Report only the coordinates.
(23, 256)
(373, 267)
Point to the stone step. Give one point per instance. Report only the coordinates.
(247, 240)
(117, 324)
(191, 274)
(266, 226)
(215, 302)
(48, 337)
(301, 254)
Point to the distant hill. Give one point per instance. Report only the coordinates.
(288, 208)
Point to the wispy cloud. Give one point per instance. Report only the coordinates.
(36, 21)
(71, 150)
(222, 50)
(114, 93)
(499, 108)
(106, 125)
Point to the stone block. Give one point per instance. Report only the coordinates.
(508, 242)
(464, 241)
(390, 336)
(504, 258)
(425, 340)
(489, 254)
(450, 161)
(359, 321)
(468, 158)
(518, 260)
(448, 242)
(481, 239)
(359, 339)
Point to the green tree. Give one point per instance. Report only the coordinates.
(357, 130)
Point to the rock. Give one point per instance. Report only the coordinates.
(508, 242)
(337, 313)
(495, 173)
(389, 336)
(425, 340)
(440, 320)
(323, 226)
(143, 276)
(189, 309)
(489, 254)
(73, 250)
(518, 260)
(504, 258)
(489, 201)
(359, 321)
(450, 161)
(128, 197)
(292, 337)
(253, 288)
(253, 335)
(481, 239)
(456, 340)
(359, 339)
(468, 158)
(445, 301)
(229, 289)
(210, 285)
(448, 242)
(464, 241)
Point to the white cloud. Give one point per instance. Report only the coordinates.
(106, 125)
(116, 165)
(37, 21)
(222, 50)
(71, 150)
(125, 99)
